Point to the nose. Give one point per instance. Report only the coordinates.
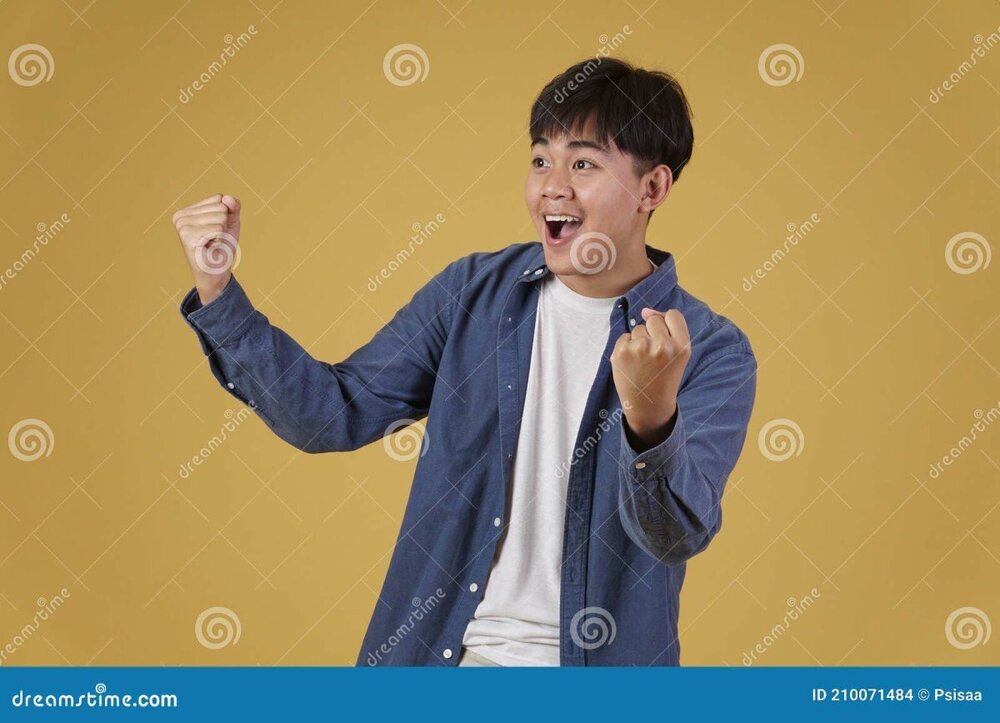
(557, 184)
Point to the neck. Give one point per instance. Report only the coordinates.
(626, 272)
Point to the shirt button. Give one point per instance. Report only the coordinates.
(496, 521)
(631, 322)
(509, 386)
(526, 272)
(509, 318)
(537, 272)
(447, 652)
(473, 587)
(640, 465)
(253, 404)
(230, 385)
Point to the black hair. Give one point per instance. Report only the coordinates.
(644, 112)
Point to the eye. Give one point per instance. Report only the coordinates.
(582, 160)
(538, 162)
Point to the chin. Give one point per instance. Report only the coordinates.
(559, 262)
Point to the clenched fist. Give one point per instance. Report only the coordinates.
(209, 231)
(647, 364)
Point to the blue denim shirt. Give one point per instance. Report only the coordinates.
(458, 353)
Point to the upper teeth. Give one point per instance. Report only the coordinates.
(561, 218)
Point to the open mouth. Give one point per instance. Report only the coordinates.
(562, 226)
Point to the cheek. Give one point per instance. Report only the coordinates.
(530, 191)
(602, 202)
(608, 208)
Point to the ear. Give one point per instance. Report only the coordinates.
(655, 186)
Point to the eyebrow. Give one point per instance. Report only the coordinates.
(543, 141)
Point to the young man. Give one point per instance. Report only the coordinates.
(583, 410)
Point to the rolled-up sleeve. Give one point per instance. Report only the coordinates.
(318, 406)
(670, 494)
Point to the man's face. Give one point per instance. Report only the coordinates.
(573, 176)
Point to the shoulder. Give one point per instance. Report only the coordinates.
(491, 272)
(514, 258)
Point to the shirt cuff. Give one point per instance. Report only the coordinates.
(658, 461)
(668, 469)
(222, 320)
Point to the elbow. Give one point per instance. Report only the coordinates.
(680, 550)
(313, 444)
(670, 545)
(308, 443)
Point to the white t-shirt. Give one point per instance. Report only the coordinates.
(517, 621)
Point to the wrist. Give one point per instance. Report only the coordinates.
(647, 433)
(209, 289)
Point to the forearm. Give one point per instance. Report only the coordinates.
(310, 404)
(666, 505)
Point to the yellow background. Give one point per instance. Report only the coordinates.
(865, 337)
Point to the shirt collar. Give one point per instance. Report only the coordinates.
(651, 291)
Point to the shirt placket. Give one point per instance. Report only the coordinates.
(579, 501)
